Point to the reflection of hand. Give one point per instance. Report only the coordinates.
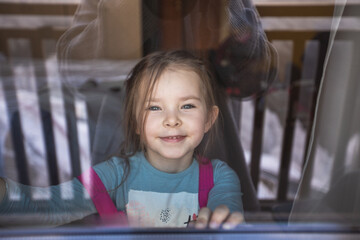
(220, 218)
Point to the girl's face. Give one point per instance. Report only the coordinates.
(176, 120)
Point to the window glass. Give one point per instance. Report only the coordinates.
(285, 82)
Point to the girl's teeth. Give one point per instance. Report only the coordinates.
(177, 137)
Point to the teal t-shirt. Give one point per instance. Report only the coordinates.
(150, 198)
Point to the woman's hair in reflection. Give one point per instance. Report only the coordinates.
(140, 85)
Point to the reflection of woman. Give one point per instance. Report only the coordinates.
(244, 64)
(100, 30)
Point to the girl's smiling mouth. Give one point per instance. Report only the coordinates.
(173, 139)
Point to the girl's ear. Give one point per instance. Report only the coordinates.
(213, 114)
(137, 128)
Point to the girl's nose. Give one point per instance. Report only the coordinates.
(172, 120)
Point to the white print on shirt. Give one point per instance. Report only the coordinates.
(152, 209)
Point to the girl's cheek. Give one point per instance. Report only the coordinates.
(152, 119)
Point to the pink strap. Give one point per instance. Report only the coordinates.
(99, 195)
(206, 180)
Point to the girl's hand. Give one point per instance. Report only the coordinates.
(220, 218)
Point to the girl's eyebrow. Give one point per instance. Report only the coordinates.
(181, 99)
(190, 98)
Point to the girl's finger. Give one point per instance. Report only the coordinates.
(203, 218)
(219, 216)
(234, 219)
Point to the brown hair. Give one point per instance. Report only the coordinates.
(144, 76)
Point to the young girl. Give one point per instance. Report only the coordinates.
(169, 108)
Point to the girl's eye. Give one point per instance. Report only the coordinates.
(153, 108)
(188, 106)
